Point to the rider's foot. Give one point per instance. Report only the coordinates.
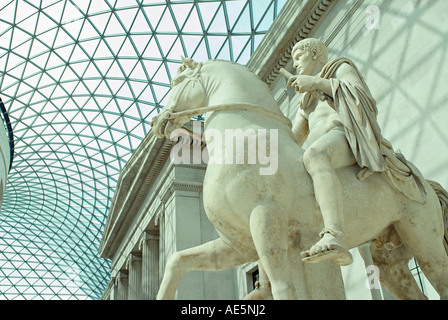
(331, 246)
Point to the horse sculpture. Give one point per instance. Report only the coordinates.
(272, 217)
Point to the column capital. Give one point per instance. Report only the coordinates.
(120, 276)
(133, 257)
(145, 237)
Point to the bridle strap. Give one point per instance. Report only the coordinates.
(229, 107)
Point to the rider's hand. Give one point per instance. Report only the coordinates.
(302, 84)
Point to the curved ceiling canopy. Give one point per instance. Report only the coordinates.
(81, 81)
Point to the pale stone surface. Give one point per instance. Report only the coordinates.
(255, 216)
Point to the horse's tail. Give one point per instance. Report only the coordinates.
(443, 199)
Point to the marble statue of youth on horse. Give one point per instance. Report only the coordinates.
(276, 219)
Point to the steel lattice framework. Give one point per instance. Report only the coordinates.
(81, 81)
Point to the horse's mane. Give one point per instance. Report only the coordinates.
(246, 69)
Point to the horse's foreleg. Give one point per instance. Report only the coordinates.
(271, 241)
(211, 256)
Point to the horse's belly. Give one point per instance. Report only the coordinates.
(370, 206)
(231, 193)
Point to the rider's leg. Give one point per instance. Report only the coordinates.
(326, 154)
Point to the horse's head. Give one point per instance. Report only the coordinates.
(187, 92)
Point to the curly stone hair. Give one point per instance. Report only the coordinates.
(313, 44)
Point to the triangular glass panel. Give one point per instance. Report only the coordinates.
(140, 42)
(114, 27)
(127, 49)
(138, 71)
(23, 49)
(176, 50)
(102, 51)
(239, 43)
(225, 53)
(218, 25)
(153, 14)
(166, 23)
(207, 12)
(160, 92)
(152, 50)
(97, 7)
(127, 17)
(161, 76)
(193, 24)
(215, 44)
(266, 20)
(181, 13)
(191, 42)
(243, 23)
(141, 25)
(165, 42)
(234, 9)
(244, 56)
(201, 52)
(99, 21)
(115, 43)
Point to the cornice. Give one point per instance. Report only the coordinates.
(134, 181)
(297, 20)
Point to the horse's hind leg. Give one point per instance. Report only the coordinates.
(394, 273)
(263, 289)
(423, 234)
(214, 255)
(271, 241)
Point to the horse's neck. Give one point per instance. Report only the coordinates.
(232, 86)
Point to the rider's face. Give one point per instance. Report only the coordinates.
(304, 62)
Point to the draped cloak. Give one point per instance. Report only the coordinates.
(358, 114)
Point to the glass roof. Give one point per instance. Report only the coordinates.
(81, 81)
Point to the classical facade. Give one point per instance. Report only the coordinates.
(157, 208)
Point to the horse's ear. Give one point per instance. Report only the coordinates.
(189, 63)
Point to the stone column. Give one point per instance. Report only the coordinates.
(113, 289)
(123, 285)
(150, 266)
(135, 277)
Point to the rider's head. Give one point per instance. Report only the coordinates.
(310, 56)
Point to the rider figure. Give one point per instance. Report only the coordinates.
(321, 131)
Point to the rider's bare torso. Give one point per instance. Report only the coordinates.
(321, 119)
